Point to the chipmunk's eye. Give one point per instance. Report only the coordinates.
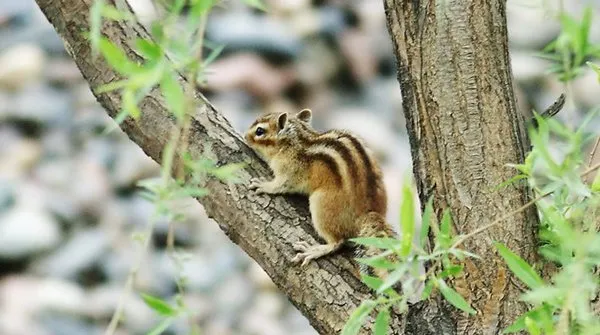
(260, 131)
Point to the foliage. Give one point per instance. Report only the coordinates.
(175, 48)
(402, 259)
(568, 206)
(572, 48)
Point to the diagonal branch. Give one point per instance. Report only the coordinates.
(265, 227)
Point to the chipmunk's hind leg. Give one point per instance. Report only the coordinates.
(307, 252)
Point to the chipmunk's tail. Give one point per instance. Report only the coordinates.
(373, 225)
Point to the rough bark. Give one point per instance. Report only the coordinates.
(455, 76)
(265, 227)
(456, 81)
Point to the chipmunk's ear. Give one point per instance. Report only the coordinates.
(305, 115)
(282, 120)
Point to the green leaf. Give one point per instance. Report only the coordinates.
(454, 298)
(532, 327)
(150, 50)
(352, 326)
(407, 219)
(596, 183)
(213, 55)
(95, 25)
(256, 4)
(173, 94)
(427, 289)
(114, 14)
(595, 68)
(377, 262)
(130, 104)
(519, 267)
(372, 282)
(228, 172)
(200, 7)
(116, 58)
(393, 277)
(443, 238)
(452, 270)
(159, 305)
(425, 223)
(161, 327)
(382, 322)
(387, 243)
(519, 323)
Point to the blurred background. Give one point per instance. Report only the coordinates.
(68, 196)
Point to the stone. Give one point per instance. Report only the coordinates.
(25, 232)
(79, 253)
(20, 65)
(43, 104)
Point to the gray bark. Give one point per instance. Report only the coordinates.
(456, 83)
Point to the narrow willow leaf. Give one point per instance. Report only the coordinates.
(161, 327)
(213, 55)
(452, 270)
(377, 242)
(95, 25)
(519, 267)
(199, 7)
(372, 282)
(427, 289)
(596, 69)
(228, 172)
(382, 322)
(116, 58)
(114, 14)
(393, 277)
(256, 4)
(130, 104)
(377, 262)
(173, 94)
(407, 219)
(454, 298)
(150, 50)
(352, 326)
(159, 305)
(425, 223)
(519, 323)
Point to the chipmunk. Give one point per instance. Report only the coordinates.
(342, 180)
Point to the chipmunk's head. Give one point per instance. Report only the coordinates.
(270, 131)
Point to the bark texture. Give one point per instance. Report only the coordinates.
(464, 127)
(265, 227)
(456, 81)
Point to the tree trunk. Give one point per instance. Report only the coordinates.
(455, 76)
(464, 128)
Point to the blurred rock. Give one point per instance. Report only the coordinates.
(64, 324)
(249, 72)
(79, 253)
(17, 154)
(20, 65)
(43, 104)
(62, 71)
(232, 295)
(265, 35)
(24, 232)
(523, 20)
(527, 67)
(586, 88)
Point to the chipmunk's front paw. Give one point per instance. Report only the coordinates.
(257, 185)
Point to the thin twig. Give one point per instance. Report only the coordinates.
(591, 169)
(593, 153)
(516, 211)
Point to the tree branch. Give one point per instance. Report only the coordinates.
(265, 227)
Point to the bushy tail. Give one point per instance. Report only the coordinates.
(373, 225)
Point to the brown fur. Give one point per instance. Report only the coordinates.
(341, 178)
